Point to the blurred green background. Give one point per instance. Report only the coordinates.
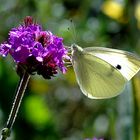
(56, 109)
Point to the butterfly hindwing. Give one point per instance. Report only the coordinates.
(97, 78)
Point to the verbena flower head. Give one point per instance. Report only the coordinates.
(34, 49)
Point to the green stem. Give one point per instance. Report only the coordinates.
(136, 112)
(18, 98)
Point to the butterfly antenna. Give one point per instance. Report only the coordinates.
(73, 31)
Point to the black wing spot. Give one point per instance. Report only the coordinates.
(118, 67)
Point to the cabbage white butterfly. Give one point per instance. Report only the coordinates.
(103, 72)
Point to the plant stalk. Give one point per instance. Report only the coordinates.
(16, 104)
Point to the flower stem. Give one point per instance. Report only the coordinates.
(18, 98)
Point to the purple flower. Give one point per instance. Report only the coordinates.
(37, 50)
(94, 138)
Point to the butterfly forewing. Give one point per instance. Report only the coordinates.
(127, 63)
(97, 78)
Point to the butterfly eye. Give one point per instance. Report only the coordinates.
(118, 67)
(74, 47)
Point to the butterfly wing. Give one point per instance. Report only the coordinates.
(96, 77)
(127, 63)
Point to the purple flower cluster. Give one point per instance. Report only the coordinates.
(37, 50)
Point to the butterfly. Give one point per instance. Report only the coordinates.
(103, 72)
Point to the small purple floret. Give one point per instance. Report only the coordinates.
(4, 49)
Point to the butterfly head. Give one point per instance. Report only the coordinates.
(76, 48)
(77, 52)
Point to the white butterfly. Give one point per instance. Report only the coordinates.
(103, 72)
